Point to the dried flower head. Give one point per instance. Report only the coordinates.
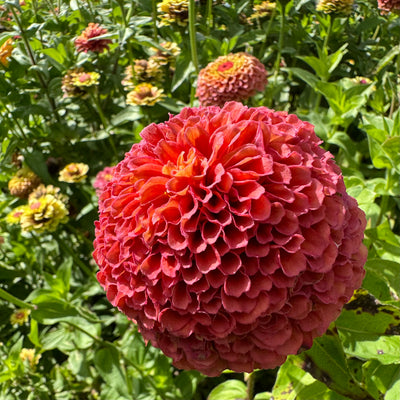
(387, 6)
(87, 41)
(73, 173)
(23, 182)
(19, 317)
(341, 7)
(173, 11)
(144, 94)
(228, 236)
(5, 52)
(232, 77)
(102, 178)
(30, 356)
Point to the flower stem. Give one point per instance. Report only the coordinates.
(14, 300)
(154, 15)
(209, 16)
(264, 43)
(280, 41)
(192, 34)
(251, 380)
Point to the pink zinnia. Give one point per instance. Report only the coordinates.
(87, 39)
(387, 6)
(228, 236)
(102, 178)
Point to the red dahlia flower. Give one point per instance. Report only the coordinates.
(228, 236)
(233, 77)
(87, 39)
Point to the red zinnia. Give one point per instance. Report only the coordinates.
(102, 178)
(387, 6)
(228, 236)
(87, 39)
(233, 77)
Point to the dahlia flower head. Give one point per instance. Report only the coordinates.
(234, 77)
(227, 235)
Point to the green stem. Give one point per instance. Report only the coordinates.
(209, 16)
(34, 63)
(14, 300)
(192, 34)
(264, 44)
(154, 15)
(280, 41)
(251, 380)
(94, 337)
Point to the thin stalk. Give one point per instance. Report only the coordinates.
(103, 120)
(33, 61)
(251, 380)
(265, 41)
(192, 34)
(280, 41)
(94, 337)
(325, 50)
(14, 300)
(154, 15)
(209, 16)
(395, 95)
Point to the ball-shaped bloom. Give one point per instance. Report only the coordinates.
(87, 41)
(228, 236)
(233, 77)
(341, 7)
(23, 183)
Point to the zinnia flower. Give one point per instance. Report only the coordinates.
(87, 39)
(387, 6)
(102, 178)
(172, 50)
(343, 7)
(19, 317)
(23, 182)
(30, 356)
(144, 94)
(228, 236)
(233, 77)
(14, 217)
(76, 81)
(173, 11)
(262, 10)
(73, 173)
(5, 52)
(143, 71)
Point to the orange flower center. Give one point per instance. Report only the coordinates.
(225, 66)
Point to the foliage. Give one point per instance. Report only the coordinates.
(341, 73)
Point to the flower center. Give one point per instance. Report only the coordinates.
(225, 66)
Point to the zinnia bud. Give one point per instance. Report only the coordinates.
(234, 77)
(228, 236)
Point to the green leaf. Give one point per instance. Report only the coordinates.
(304, 75)
(369, 329)
(387, 270)
(128, 114)
(294, 383)
(326, 361)
(231, 389)
(387, 58)
(108, 364)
